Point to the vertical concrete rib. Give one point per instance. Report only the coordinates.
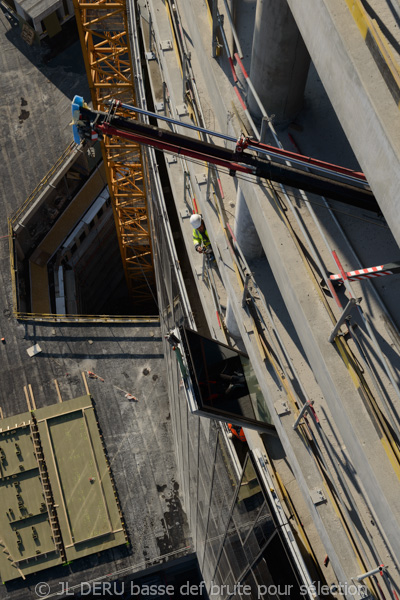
(244, 229)
(362, 101)
(230, 321)
(279, 62)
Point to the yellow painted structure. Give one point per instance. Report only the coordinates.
(57, 497)
(379, 48)
(103, 31)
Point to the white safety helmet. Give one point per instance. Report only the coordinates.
(195, 221)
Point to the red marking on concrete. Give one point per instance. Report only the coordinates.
(235, 79)
(241, 65)
(240, 99)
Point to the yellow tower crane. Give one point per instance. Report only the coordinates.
(103, 32)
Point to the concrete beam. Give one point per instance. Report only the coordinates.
(362, 101)
(279, 62)
(244, 228)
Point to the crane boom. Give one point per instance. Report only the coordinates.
(333, 184)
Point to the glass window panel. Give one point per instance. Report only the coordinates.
(202, 497)
(226, 472)
(234, 551)
(206, 456)
(208, 567)
(214, 589)
(185, 448)
(213, 435)
(251, 591)
(263, 528)
(251, 524)
(222, 492)
(194, 423)
(223, 380)
(201, 536)
(219, 576)
(192, 478)
(223, 566)
(249, 500)
(225, 571)
(213, 538)
(274, 570)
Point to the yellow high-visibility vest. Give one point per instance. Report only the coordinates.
(201, 238)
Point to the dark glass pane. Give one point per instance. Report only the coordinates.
(263, 528)
(223, 380)
(208, 566)
(249, 589)
(224, 568)
(206, 454)
(249, 500)
(275, 575)
(226, 473)
(202, 497)
(251, 525)
(213, 539)
(234, 551)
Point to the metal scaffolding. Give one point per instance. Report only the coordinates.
(103, 32)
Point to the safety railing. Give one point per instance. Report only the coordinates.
(55, 318)
(43, 183)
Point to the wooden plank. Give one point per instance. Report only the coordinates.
(58, 390)
(85, 383)
(27, 398)
(32, 398)
(1, 413)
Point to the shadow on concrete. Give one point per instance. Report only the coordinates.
(267, 284)
(62, 576)
(108, 356)
(51, 57)
(391, 39)
(347, 467)
(111, 338)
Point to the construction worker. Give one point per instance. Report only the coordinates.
(200, 236)
(237, 432)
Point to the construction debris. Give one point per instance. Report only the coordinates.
(33, 350)
(94, 376)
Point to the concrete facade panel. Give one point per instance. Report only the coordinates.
(279, 62)
(363, 103)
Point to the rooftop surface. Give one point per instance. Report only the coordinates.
(36, 8)
(127, 357)
(137, 435)
(58, 487)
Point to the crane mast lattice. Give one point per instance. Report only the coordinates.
(103, 31)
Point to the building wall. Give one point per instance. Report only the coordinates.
(234, 532)
(63, 9)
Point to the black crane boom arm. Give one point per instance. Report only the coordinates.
(238, 160)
